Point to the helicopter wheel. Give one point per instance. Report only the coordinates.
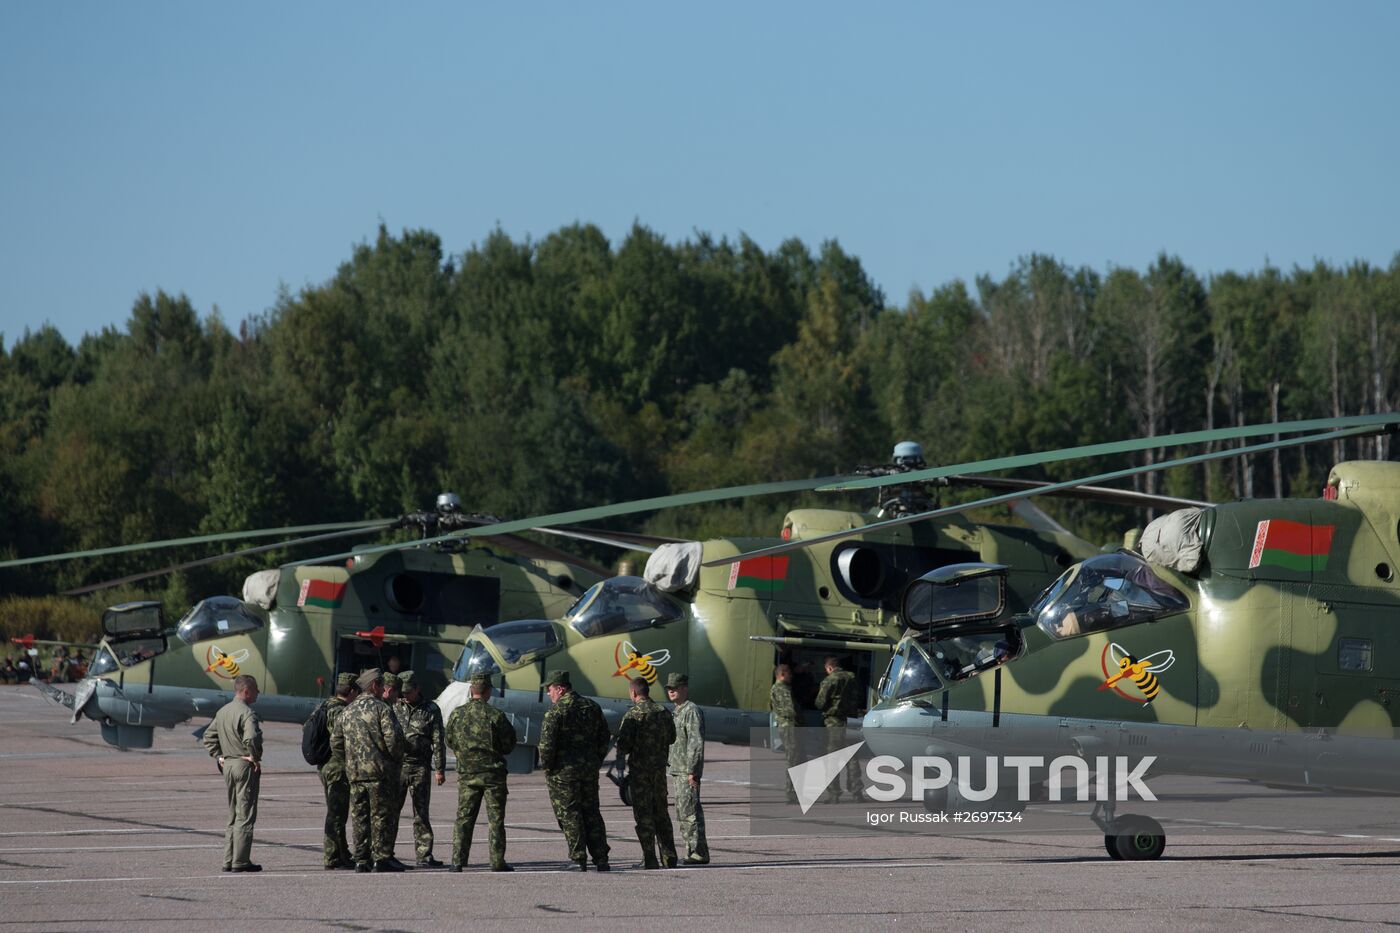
(1137, 838)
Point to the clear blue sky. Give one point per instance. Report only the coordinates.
(222, 149)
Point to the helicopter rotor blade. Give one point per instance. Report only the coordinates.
(1031, 514)
(601, 537)
(203, 561)
(1359, 423)
(200, 539)
(1091, 493)
(1012, 496)
(533, 550)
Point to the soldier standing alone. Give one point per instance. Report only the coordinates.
(481, 736)
(424, 760)
(686, 765)
(335, 850)
(785, 715)
(645, 737)
(367, 736)
(573, 741)
(234, 739)
(838, 699)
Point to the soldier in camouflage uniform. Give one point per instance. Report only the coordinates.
(367, 736)
(424, 760)
(389, 682)
(573, 741)
(335, 851)
(685, 765)
(481, 736)
(784, 709)
(838, 698)
(645, 737)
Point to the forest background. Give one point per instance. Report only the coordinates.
(535, 376)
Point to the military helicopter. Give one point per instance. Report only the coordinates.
(295, 627)
(1246, 639)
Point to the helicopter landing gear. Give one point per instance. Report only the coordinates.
(1131, 837)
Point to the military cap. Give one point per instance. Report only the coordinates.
(481, 680)
(677, 680)
(557, 679)
(368, 678)
(389, 680)
(405, 679)
(345, 680)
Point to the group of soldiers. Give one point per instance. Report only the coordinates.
(388, 745)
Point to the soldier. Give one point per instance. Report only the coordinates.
(389, 693)
(838, 698)
(234, 738)
(367, 736)
(421, 722)
(573, 741)
(785, 716)
(335, 851)
(481, 736)
(645, 737)
(686, 765)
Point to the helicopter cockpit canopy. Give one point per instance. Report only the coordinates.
(955, 594)
(507, 646)
(910, 673)
(1105, 592)
(217, 617)
(620, 604)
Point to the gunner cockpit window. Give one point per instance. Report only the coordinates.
(621, 604)
(1105, 592)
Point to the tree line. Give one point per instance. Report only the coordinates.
(536, 376)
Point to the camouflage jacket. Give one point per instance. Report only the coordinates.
(334, 770)
(838, 698)
(421, 723)
(688, 750)
(645, 736)
(781, 703)
(368, 737)
(574, 734)
(235, 732)
(481, 736)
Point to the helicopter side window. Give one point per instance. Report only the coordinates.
(522, 641)
(133, 652)
(1106, 592)
(909, 674)
(965, 656)
(217, 617)
(621, 604)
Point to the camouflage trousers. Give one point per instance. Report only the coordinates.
(334, 847)
(691, 816)
(394, 801)
(574, 796)
(651, 812)
(835, 741)
(470, 791)
(243, 782)
(416, 783)
(372, 816)
(792, 750)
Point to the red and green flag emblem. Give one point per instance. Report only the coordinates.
(1291, 545)
(759, 573)
(321, 593)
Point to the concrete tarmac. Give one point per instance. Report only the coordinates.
(92, 837)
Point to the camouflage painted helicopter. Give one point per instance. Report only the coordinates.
(1247, 639)
(295, 628)
(726, 619)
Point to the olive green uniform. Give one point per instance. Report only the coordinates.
(368, 737)
(785, 716)
(335, 850)
(573, 741)
(235, 734)
(424, 755)
(481, 736)
(645, 737)
(687, 757)
(838, 698)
